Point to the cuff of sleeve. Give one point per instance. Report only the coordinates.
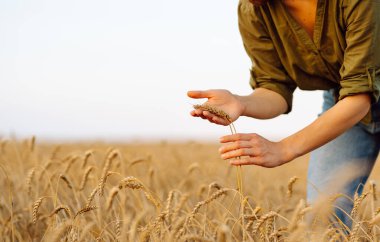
(361, 84)
(276, 87)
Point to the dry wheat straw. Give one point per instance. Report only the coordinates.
(262, 220)
(91, 197)
(87, 155)
(357, 201)
(55, 152)
(114, 191)
(85, 177)
(29, 180)
(198, 206)
(62, 232)
(59, 208)
(70, 163)
(85, 210)
(239, 176)
(32, 143)
(112, 155)
(66, 180)
(290, 186)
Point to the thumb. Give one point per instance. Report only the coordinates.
(198, 94)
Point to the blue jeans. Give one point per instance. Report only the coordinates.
(358, 147)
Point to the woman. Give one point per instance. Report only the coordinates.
(314, 45)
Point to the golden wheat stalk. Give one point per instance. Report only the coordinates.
(59, 208)
(114, 191)
(87, 157)
(85, 177)
(85, 210)
(262, 220)
(29, 180)
(66, 180)
(92, 195)
(357, 201)
(291, 182)
(112, 155)
(36, 206)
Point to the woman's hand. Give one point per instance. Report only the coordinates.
(220, 99)
(252, 149)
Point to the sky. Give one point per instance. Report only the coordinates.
(120, 70)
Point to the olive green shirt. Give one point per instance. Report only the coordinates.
(343, 54)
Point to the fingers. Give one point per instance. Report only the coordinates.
(236, 137)
(198, 94)
(237, 153)
(246, 161)
(234, 146)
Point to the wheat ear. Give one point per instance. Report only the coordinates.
(85, 210)
(36, 206)
(107, 165)
(59, 208)
(85, 177)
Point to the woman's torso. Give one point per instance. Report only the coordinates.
(313, 63)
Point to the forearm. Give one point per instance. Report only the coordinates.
(341, 117)
(263, 104)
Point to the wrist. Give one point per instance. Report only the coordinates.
(288, 150)
(243, 104)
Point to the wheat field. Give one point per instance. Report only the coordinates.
(161, 192)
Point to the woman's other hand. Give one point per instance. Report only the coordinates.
(252, 149)
(220, 99)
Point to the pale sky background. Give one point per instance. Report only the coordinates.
(120, 70)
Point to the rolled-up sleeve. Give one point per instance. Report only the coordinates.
(267, 71)
(360, 72)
